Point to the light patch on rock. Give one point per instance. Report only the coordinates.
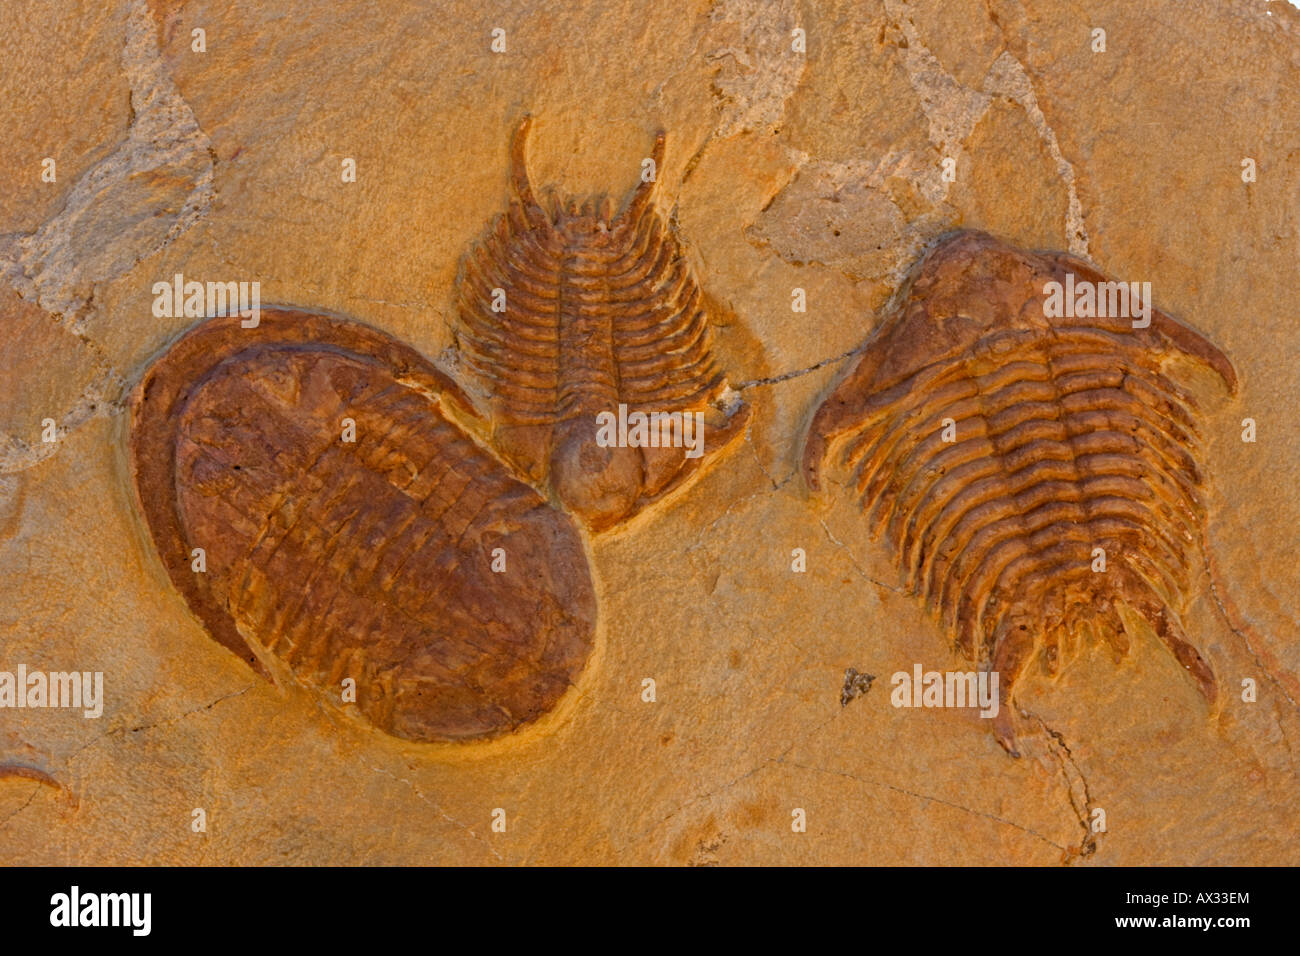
(951, 109)
(833, 214)
(758, 69)
(846, 216)
(154, 186)
(871, 220)
(1007, 77)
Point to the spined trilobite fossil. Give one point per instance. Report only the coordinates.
(411, 559)
(570, 313)
(998, 449)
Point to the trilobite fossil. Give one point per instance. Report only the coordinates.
(324, 515)
(411, 559)
(1002, 452)
(567, 315)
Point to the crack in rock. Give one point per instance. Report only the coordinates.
(1232, 618)
(1076, 786)
(854, 561)
(441, 812)
(927, 797)
(36, 788)
(159, 723)
(785, 377)
(758, 767)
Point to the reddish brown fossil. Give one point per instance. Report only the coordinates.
(377, 559)
(569, 314)
(997, 449)
(408, 559)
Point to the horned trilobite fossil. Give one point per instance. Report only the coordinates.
(573, 313)
(998, 449)
(410, 558)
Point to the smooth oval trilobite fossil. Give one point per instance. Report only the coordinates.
(997, 448)
(568, 315)
(374, 559)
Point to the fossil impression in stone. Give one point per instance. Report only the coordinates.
(1034, 476)
(575, 313)
(326, 518)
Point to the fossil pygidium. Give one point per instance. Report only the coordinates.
(568, 314)
(322, 515)
(1003, 452)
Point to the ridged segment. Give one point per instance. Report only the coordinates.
(599, 311)
(368, 559)
(995, 449)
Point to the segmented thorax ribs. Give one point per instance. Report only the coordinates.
(570, 313)
(1031, 473)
